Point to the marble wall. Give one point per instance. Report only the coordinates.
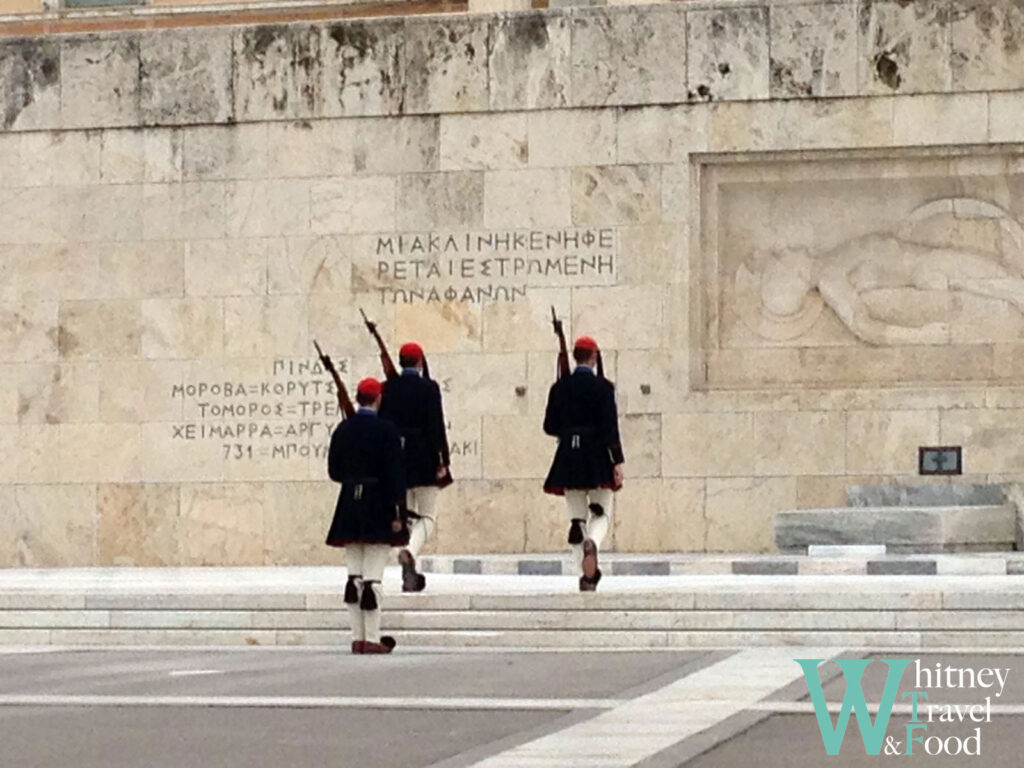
(182, 212)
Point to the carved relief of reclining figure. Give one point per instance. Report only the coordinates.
(877, 262)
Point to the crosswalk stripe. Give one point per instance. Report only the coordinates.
(644, 726)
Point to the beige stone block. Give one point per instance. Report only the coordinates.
(31, 215)
(438, 200)
(276, 72)
(186, 76)
(662, 134)
(183, 328)
(227, 267)
(641, 443)
(100, 453)
(653, 254)
(164, 152)
(813, 50)
(988, 438)
(652, 381)
(363, 66)
(446, 64)
(629, 55)
(887, 441)
(1005, 122)
(135, 270)
(122, 157)
(394, 145)
(48, 526)
(222, 524)
(525, 325)
(37, 453)
(99, 329)
(446, 327)
(137, 525)
(138, 391)
(620, 317)
(44, 272)
(478, 384)
(57, 393)
(185, 452)
(466, 523)
(621, 194)
(741, 512)
(800, 443)
(940, 119)
(309, 265)
(25, 160)
(302, 148)
(76, 157)
(352, 205)
(529, 61)
(592, 131)
(528, 198)
(29, 453)
(28, 331)
(707, 444)
(198, 209)
(987, 51)
(515, 447)
(99, 81)
(465, 445)
(727, 54)
(30, 73)
(266, 326)
(484, 142)
(297, 517)
(660, 516)
(904, 47)
(801, 124)
(268, 208)
(101, 213)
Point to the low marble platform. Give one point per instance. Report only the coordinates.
(264, 607)
(901, 528)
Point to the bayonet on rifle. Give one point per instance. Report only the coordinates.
(563, 352)
(390, 371)
(344, 401)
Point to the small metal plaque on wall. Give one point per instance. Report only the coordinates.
(940, 460)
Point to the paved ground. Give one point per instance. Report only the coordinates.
(264, 708)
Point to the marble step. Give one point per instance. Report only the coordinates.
(466, 620)
(522, 638)
(918, 529)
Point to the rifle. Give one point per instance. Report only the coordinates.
(344, 401)
(563, 352)
(390, 371)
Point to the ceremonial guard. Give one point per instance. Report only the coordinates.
(587, 468)
(412, 401)
(369, 519)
